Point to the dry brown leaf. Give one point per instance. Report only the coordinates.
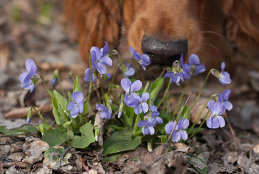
(180, 147)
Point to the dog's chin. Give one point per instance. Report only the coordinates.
(152, 72)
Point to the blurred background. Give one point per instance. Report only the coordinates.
(32, 29)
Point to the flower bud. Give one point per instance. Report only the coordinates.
(29, 116)
(149, 147)
(70, 75)
(55, 77)
(121, 106)
(53, 81)
(216, 73)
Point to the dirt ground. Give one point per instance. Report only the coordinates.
(37, 29)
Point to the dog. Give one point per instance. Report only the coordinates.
(215, 30)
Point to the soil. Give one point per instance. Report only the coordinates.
(38, 29)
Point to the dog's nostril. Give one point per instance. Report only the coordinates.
(163, 52)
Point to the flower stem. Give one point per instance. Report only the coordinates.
(81, 118)
(197, 98)
(199, 115)
(119, 58)
(97, 93)
(162, 73)
(60, 85)
(231, 130)
(165, 94)
(91, 80)
(45, 85)
(178, 117)
(181, 97)
(201, 123)
(204, 119)
(41, 117)
(101, 84)
(166, 99)
(113, 78)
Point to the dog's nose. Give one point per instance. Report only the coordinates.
(163, 52)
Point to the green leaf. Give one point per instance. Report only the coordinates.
(55, 102)
(111, 158)
(77, 86)
(136, 129)
(163, 138)
(61, 101)
(56, 137)
(146, 87)
(54, 153)
(120, 141)
(155, 88)
(86, 138)
(116, 127)
(86, 108)
(129, 115)
(186, 113)
(87, 129)
(59, 107)
(194, 130)
(25, 129)
(106, 99)
(200, 162)
(56, 115)
(43, 127)
(202, 171)
(69, 96)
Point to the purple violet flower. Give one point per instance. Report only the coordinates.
(216, 120)
(179, 72)
(129, 87)
(194, 66)
(107, 77)
(224, 76)
(99, 58)
(223, 98)
(155, 114)
(131, 99)
(77, 105)
(139, 103)
(154, 111)
(179, 131)
(53, 80)
(115, 53)
(147, 126)
(28, 120)
(158, 120)
(129, 71)
(105, 112)
(87, 77)
(143, 59)
(29, 78)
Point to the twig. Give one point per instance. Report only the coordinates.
(23, 112)
(231, 130)
(178, 117)
(62, 156)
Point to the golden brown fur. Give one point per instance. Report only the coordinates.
(215, 29)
